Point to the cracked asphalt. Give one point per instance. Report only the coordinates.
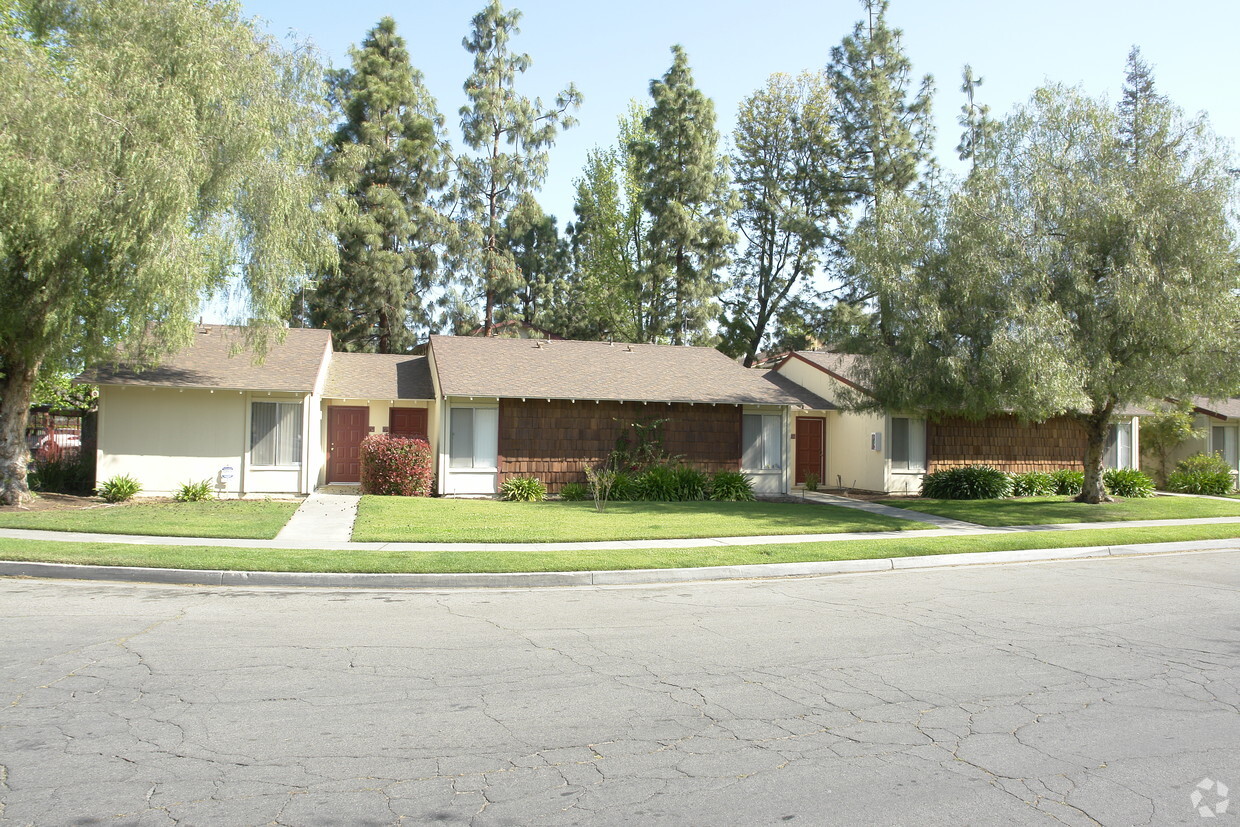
(1089, 692)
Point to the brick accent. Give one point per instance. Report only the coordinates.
(553, 440)
(1005, 443)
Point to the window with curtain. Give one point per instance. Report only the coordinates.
(275, 433)
(1223, 441)
(1119, 447)
(473, 441)
(908, 444)
(761, 442)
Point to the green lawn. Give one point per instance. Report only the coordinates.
(1053, 510)
(242, 519)
(428, 520)
(240, 559)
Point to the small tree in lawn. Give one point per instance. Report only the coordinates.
(1088, 264)
(1164, 431)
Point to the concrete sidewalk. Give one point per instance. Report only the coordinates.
(319, 544)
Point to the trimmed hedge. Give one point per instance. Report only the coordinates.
(396, 466)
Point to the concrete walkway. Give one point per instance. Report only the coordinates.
(318, 543)
(886, 510)
(326, 515)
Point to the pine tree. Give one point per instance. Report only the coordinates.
(683, 188)
(540, 262)
(791, 203)
(974, 119)
(390, 156)
(887, 137)
(510, 135)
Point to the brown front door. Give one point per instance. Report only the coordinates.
(346, 428)
(407, 422)
(809, 448)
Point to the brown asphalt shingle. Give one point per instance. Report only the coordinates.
(1229, 408)
(526, 368)
(291, 365)
(379, 376)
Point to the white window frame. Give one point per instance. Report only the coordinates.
(915, 445)
(1118, 452)
(1231, 457)
(768, 443)
(276, 432)
(488, 458)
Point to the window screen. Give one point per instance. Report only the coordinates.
(474, 438)
(908, 444)
(761, 442)
(275, 433)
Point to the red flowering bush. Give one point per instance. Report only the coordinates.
(395, 465)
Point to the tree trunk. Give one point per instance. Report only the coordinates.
(1096, 426)
(16, 388)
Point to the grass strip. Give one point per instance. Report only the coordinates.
(430, 520)
(1058, 510)
(223, 519)
(242, 559)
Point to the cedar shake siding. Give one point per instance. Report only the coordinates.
(553, 440)
(1004, 442)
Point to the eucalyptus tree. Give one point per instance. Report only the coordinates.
(684, 190)
(792, 202)
(150, 152)
(390, 155)
(509, 135)
(1089, 265)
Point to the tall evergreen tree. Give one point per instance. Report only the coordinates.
(974, 119)
(510, 135)
(791, 202)
(390, 156)
(606, 295)
(540, 262)
(684, 189)
(887, 137)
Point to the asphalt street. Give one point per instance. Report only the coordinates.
(1097, 691)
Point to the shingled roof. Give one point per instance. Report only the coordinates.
(291, 365)
(525, 368)
(379, 376)
(1219, 408)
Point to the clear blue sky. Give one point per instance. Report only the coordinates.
(613, 50)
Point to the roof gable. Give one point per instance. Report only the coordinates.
(378, 376)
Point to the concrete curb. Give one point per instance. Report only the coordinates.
(525, 580)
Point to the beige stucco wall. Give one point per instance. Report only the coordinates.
(850, 459)
(164, 437)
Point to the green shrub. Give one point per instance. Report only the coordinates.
(973, 482)
(194, 492)
(67, 473)
(1068, 481)
(1128, 482)
(624, 487)
(731, 486)
(574, 492)
(659, 484)
(692, 485)
(1202, 474)
(120, 488)
(1033, 484)
(396, 466)
(811, 481)
(523, 490)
